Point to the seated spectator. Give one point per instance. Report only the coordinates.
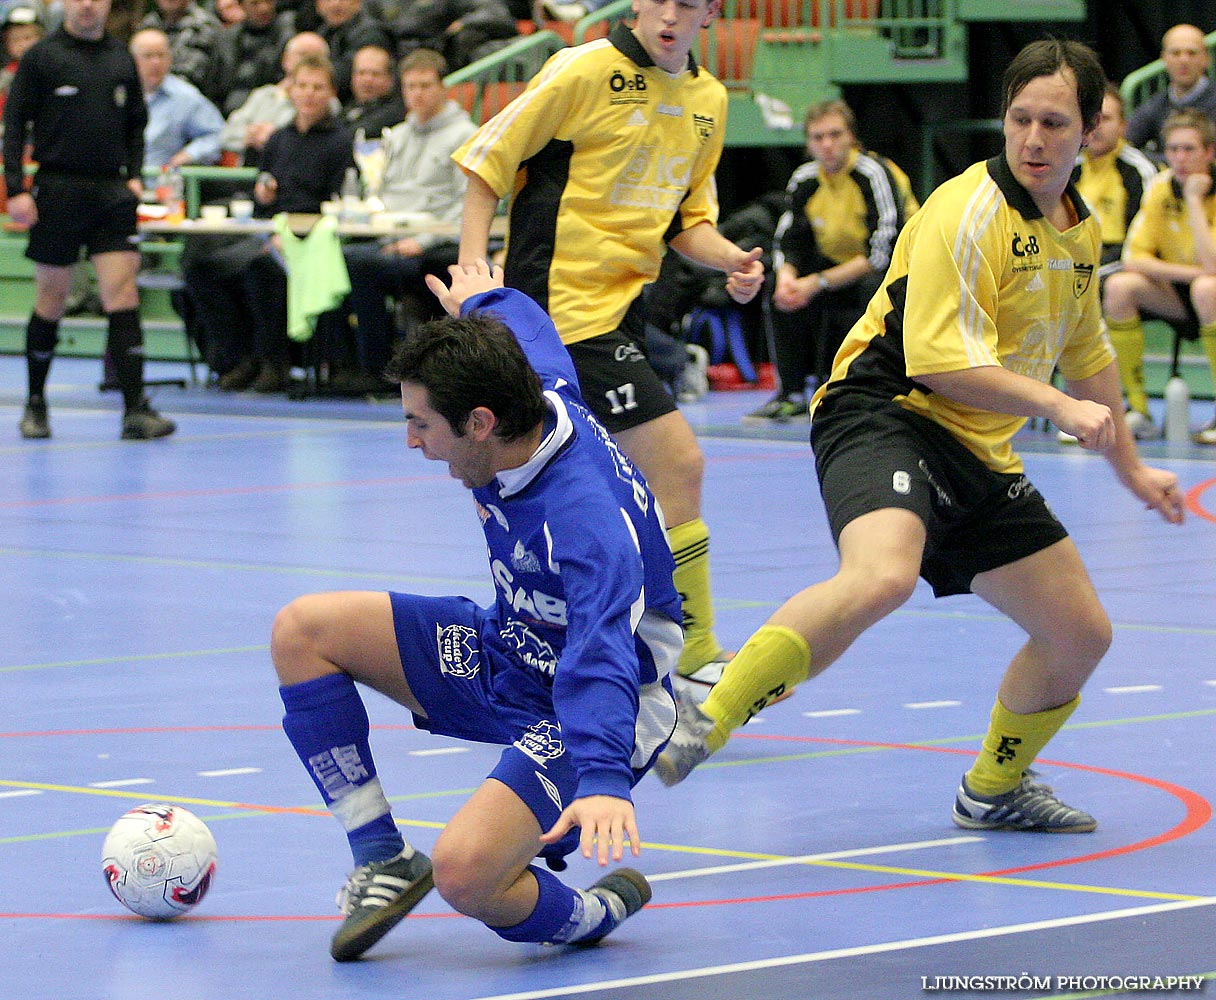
(833, 243)
(247, 54)
(269, 107)
(1185, 54)
(347, 27)
(1112, 176)
(192, 33)
(229, 12)
(1169, 262)
(420, 176)
(183, 126)
(461, 30)
(21, 30)
(375, 103)
(238, 286)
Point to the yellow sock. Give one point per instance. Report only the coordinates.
(769, 665)
(1207, 336)
(1127, 338)
(690, 546)
(1012, 744)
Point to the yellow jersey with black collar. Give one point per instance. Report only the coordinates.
(1161, 229)
(979, 278)
(1113, 186)
(606, 157)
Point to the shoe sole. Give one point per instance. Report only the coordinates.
(967, 823)
(638, 881)
(350, 944)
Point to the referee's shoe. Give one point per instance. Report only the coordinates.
(141, 422)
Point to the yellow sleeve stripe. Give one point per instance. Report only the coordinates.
(977, 217)
(491, 132)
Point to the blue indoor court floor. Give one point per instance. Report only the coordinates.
(812, 859)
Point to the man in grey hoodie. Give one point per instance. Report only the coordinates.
(421, 177)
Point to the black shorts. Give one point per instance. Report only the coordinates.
(96, 214)
(616, 380)
(872, 454)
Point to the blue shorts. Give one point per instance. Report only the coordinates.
(470, 691)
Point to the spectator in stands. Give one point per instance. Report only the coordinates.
(238, 287)
(833, 243)
(21, 30)
(247, 55)
(347, 27)
(192, 33)
(1185, 54)
(554, 10)
(229, 12)
(420, 177)
(183, 126)
(375, 103)
(269, 107)
(462, 30)
(1112, 176)
(1169, 261)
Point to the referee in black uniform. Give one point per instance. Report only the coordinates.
(79, 94)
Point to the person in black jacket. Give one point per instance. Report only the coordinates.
(456, 28)
(77, 96)
(247, 54)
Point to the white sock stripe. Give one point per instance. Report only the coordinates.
(361, 805)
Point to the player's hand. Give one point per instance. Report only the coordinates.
(1197, 185)
(1092, 424)
(1159, 490)
(746, 278)
(467, 280)
(22, 209)
(605, 821)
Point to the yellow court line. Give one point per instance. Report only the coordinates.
(674, 848)
(920, 872)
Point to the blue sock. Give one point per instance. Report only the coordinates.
(562, 915)
(328, 727)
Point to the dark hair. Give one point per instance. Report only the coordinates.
(424, 59)
(1050, 55)
(469, 361)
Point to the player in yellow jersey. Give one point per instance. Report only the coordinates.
(609, 158)
(992, 285)
(1169, 260)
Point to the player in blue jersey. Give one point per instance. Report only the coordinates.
(568, 668)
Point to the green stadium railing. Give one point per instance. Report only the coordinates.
(1141, 84)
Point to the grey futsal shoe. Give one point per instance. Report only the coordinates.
(378, 896)
(624, 892)
(1031, 807)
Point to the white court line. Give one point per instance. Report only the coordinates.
(1133, 689)
(229, 772)
(23, 791)
(859, 852)
(120, 783)
(438, 751)
(1210, 683)
(933, 704)
(855, 952)
(828, 713)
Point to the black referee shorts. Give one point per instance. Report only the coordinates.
(872, 454)
(96, 214)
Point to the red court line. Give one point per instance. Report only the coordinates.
(1195, 505)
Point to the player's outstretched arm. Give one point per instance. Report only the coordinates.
(467, 280)
(606, 822)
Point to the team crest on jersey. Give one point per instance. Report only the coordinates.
(484, 513)
(530, 648)
(458, 654)
(704, 124)
(542, 742)
(524, 561)
(1082, 275)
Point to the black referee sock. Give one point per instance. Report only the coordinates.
(41, 339)
(126, 347)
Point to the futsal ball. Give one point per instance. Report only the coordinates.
(159, 860)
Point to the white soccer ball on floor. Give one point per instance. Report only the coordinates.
(159, 860)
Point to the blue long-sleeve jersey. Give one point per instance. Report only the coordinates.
(582, 571)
